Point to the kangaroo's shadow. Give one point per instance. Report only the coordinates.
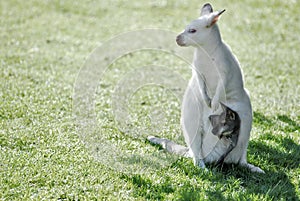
(277, 148)
(277, 153)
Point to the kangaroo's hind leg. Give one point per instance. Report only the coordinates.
(192, 125)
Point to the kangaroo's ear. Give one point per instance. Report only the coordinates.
(214, 18)
(206, 9)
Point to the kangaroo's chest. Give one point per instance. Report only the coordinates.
(209, 70)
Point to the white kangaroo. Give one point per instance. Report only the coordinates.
(216, 73)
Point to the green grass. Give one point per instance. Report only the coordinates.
(44, 154)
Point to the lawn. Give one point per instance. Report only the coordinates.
(84, 82)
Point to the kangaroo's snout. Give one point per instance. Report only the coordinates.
(179, 40)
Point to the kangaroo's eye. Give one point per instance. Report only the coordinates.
(192, 31)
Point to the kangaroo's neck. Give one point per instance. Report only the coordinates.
(213, 42)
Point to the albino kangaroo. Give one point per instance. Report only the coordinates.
(216, 78)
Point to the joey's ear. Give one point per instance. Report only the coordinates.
(214, 18)
(206, 9)
(230, 114)
(228, 111)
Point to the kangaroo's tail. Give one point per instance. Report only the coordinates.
(170, 146)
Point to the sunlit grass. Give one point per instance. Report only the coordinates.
(43, 156)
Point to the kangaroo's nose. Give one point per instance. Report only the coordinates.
(178, 38)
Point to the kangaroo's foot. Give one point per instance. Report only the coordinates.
(253, 168)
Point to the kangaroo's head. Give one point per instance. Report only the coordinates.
(198, 31)
(225, 124)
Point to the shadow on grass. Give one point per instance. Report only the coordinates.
(277, 154)
(277, 149)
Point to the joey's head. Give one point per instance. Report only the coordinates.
(225, 124)
(199, 30)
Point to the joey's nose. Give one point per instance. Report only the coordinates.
(178, 38)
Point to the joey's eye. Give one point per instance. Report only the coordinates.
(192, 30)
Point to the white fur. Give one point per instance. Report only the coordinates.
(216, 77)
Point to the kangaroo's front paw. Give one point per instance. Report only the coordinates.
(214, 105)
(208, 102)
